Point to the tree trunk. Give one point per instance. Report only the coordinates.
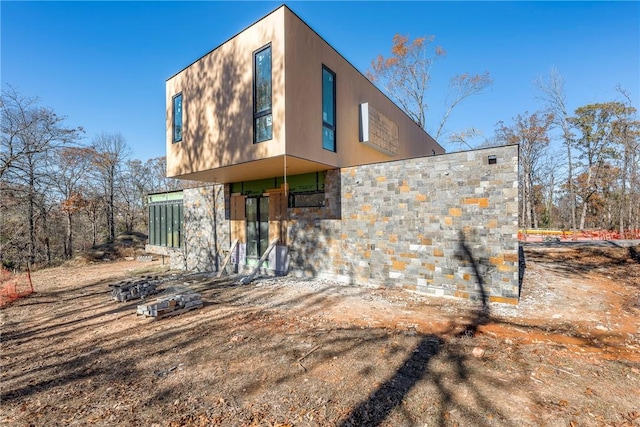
(572, 194)
(47, 246)
(95, 231)
(69, 239)
(112, 226)
(623, 196)
(585, 202)
(549, 204)
(45, 231)
(622, 210)
(532, 204)
(32, 224)
(583, 215)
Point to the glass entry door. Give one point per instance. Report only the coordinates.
(257, 211)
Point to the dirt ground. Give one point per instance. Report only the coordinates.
(294, 352)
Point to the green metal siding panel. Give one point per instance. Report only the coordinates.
(165, 197)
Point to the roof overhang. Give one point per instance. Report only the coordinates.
(257, 169)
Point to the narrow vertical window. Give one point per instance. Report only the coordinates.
(328, 109)
(177, 118)
(262, 117)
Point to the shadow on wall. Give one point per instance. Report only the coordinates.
(473, 255)
(209, 100)
(309, 246)
(218, 110)
(202, 242)
(310, 232)
(218, 127)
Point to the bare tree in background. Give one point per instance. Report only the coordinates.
(137, 182)
(30, 135)
(626, 133)
(549, 166)
(70, 180)
(461, 138)
(47, 179)
(531, 132)
(406, 75)
(110, 154)
(553, 94)
(159, 182)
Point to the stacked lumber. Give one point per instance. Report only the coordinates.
(171, 306)
(134, 289)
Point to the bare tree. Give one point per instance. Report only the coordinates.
(531, 133)
(70, 180)
(30, 135)
(461, 87)
(462, 138)
(47, 180)
(553, 94)
(110, 154)
(93, 207)
(136, 183)
(548, 177)
(158, 176)
(406, 75)
(626, 133)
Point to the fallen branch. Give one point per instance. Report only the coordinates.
(559, 369)
(567, 372)
(308, 353)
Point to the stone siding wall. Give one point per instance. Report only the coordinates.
(206, 229)
(313, 234)
(441, 225)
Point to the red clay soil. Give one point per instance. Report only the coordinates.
(287, 351)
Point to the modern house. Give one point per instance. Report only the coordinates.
(303, 153)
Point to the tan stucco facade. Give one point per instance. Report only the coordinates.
(217, 90)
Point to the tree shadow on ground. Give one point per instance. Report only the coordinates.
(561, 257)
(245, 358)
(376, 408)
(634, 253)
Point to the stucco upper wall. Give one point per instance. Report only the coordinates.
(217, 93)
(306, 52)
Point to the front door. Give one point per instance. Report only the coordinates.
(257, 211)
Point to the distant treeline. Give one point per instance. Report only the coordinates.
(60, 194)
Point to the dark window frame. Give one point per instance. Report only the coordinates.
(327, 125)
(268, 112)
(173, 120)
(297, 199)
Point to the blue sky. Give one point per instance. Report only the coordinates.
(103, 65)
